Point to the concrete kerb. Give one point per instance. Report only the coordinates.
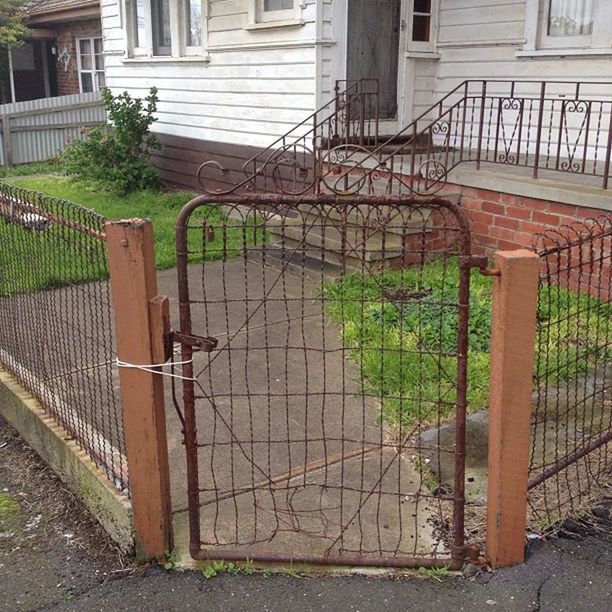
(78, 472)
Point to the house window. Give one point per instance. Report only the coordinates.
(421, 21)
(160, 22)
(166, 28)
(577, 26)
(138, 26)
(570, 18)
(193, 23)
(422, 17)
(274, 11)
(90, 64)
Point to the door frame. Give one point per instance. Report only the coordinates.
(386, 126)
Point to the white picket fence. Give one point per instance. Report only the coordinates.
(40, 129)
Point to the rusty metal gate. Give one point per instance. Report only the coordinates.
(324, 355)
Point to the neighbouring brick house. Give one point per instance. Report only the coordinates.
(63, 54)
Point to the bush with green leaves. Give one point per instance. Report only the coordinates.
(118, 153)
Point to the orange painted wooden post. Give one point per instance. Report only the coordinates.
(139, 323)
(515, 295)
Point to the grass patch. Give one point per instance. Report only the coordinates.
(59, 256)
(400, 327)
(29, 169)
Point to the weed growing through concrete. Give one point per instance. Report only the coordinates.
(435, 573)
(227, 567)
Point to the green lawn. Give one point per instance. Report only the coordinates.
(69, 261)
(401, 328)
(161, 207)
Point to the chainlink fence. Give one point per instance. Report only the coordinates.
(56, 323)
(572, 404)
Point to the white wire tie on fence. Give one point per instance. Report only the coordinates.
(151, 367)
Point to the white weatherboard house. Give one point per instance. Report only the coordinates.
(234, 75)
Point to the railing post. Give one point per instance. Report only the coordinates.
(138, 324)
(536, 162)
(515, 296)
(608, 151)
(483, 99)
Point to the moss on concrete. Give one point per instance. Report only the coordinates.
(10, 513)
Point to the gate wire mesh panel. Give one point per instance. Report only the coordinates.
(56, 324)
(316, 429)
(572, 414)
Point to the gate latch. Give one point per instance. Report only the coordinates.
(205, 344)
(482, 264)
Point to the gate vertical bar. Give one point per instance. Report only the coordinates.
(190, 432)
(465, 264)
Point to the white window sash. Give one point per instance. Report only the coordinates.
(93, 71)
(193, 50)
(420, 45)
(179, 37)
(256, 13)
(536, 29)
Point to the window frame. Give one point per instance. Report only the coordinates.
(179, 37)
(93, 71)
(538, 42)
(563, 42)
(257, 15)
(187, 49)
(421, 45)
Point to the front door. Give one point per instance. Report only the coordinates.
(373, 47)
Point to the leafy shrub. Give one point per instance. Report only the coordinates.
(117, 154)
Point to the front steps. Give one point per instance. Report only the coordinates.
(327, 240)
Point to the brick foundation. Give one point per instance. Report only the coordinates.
(506, 222)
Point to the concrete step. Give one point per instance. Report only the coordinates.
(298, 263)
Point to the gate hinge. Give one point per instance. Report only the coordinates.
(197, 343)
(481, 262)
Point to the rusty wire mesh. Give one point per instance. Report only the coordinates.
(570, 463)
(323, 426)
(56, 323)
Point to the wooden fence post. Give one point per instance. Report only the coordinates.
(515, 298)
(7, 143)
(139, 314)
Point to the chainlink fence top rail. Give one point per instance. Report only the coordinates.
(572, 415)
(56, 323)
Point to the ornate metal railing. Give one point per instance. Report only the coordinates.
(545, 126)
(290, 164)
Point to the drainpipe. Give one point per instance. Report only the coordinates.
(11, 76)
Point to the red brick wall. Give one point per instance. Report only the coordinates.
(68, 81)
(504, 221)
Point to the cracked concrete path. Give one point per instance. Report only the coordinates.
(294, 458)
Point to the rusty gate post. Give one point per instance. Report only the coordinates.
(138, 325)
(515, 297)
